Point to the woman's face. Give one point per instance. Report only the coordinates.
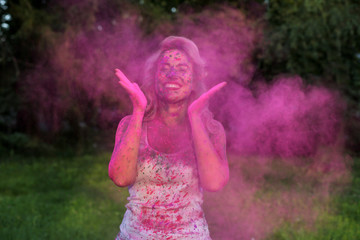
(174, 76)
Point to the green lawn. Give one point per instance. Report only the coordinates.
(73, 198)
(59, 199)
(338, 216)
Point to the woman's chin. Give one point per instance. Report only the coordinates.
(171, 99)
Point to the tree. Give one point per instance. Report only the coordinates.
(317, 40)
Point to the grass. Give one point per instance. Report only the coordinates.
(73, 198)
(339, 218)
(59, 199)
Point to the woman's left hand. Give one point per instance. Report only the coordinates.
(197, 106)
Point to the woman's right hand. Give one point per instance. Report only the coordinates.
(137, 97)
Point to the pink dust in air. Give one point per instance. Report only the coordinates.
(284, 138)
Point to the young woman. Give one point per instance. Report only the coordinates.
(170, 148)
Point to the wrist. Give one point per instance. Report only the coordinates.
(138, 112)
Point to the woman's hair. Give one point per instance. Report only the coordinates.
(192, 52)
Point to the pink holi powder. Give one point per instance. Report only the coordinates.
(286, 119)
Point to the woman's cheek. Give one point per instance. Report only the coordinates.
(187, 78)
(160, 79)
(160, 76)
(188, 84)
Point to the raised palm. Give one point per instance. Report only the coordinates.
(137, 97)
(199, 104)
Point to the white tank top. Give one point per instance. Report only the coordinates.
(165, 200)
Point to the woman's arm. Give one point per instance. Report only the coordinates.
(122, 166)
(211, 155)
(210, 150)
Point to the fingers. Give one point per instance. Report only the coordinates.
(122, 76)
(124, 85)
(136, 85)
(213, 90)
(124, 81)
(216, 88)
(132, 88)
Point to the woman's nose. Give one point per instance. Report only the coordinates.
(171, 72)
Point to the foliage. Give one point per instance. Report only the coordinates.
(313, 38)
(317, 40)
(28, 26)
(190, 6)
(8, 102)
(50, 89)
(44, 95)
(66, 87)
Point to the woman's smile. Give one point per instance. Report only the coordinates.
(172, 86)
(174, 76)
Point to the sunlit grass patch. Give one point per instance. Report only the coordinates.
(328, 226)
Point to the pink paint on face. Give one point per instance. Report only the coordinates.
(174, 76)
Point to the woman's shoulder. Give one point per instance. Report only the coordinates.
(126, 118)
(123, 124)
(124, 121)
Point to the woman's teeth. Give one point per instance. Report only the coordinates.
(172, 85)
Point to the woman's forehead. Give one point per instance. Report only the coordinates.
(175, 55)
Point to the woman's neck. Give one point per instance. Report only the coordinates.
(173, 114)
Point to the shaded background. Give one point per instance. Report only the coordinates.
(57, 58)
(60, 106)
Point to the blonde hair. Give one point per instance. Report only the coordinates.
(192, 52)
